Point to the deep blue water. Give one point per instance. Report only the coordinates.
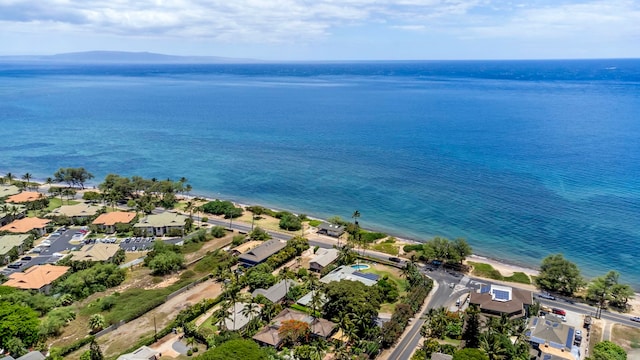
(522, 158)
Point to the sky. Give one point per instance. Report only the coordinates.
(327, 29)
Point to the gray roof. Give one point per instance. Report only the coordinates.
(141, 353)
(306, 300)
(332, 227)
(551, 331)
(77, 210)
(8, 190)
(348, 273)
(262, 252)
(277, 292)
(325, 257)
(240, 320)
(33, 355)
(441, 356)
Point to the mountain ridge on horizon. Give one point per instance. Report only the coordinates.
(126, 57)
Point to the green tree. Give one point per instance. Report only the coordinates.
(27, 178)
(235, 349)
(96, 322)
(435, 323)
(15, 347)
(94, 351)
(17, 321)
(259, 234)
(166, 263)
(471, 334)
(606, 350)
(290, 222)
(470, 354)
(352, 298)
(559, 275)
(218, 232)
(73, 176)
(607, 290)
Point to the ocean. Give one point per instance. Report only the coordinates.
(521, 158)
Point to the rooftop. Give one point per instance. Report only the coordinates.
(325, 257)
(25, 196)
(240, 319)
(277, 292)
(8, 242)
(25, 225)
(262, 252)
(8, 190)
(115, 217)
(502, 299)
(142, 353)
(36, 277)
(318, 326)
(167, 218)
(78, 210)
(95, 252)
(348, 273)
(551, 332)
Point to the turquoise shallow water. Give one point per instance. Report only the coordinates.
(523, 159)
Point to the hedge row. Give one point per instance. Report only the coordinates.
(406, 309)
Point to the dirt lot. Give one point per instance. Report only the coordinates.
(122, 338)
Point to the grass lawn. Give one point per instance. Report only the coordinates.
(487, 271)
(387, 248)
(625, 336)
(394, 275)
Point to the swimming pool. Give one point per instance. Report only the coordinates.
(360, 266)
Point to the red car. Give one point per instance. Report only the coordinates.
(559, 311)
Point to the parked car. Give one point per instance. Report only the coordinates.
(547, 296)
(395, 259)
(15, 265)
(559, 311)
(26, 258)
(635, 318)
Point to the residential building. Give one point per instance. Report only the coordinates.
(307, 299)
(8, 213)
(26, 225)
(107, 222)
(349, 273)
(161, 224)
(552, 339)
(322, 259)
(441, 356)
(244, 247)
(142, 353)
(261, 253)
(237, 319)
(77, 212)
(32, 355)
(38, 277)
(269, 335)
(96, 252)
(277, 292)
(8, 190)
(331, 229)
(24, 197)
(10, 242)
(496, 300)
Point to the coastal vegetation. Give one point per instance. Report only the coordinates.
(487, 271)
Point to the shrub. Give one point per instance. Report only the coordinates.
(290, 222)
(218, 232)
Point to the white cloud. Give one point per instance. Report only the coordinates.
(237, 20)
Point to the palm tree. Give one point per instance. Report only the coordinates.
(493, 345)
(27, 177)
(189, 207)
(355, 216)
(9, 177)
(250, 310)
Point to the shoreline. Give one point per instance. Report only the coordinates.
(503, 265)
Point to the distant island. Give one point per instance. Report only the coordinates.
(125, 57)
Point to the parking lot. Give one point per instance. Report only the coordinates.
(54, 247)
